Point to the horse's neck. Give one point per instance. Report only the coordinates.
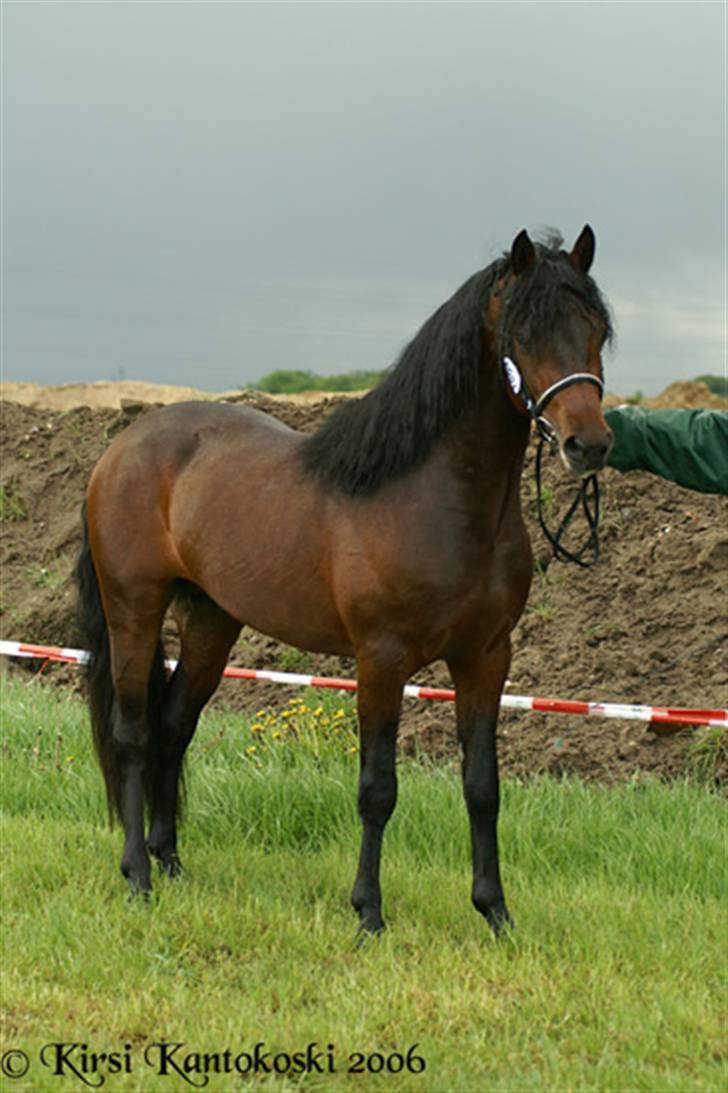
(489, 444)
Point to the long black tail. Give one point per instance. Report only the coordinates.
(94, 634)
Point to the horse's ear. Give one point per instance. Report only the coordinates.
(523, 253)
(582, 255)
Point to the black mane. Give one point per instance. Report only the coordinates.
(392, 430)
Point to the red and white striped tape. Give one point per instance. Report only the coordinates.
(657, 715)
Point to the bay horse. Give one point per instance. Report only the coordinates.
(393, 533)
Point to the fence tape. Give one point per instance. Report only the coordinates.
(656, 715)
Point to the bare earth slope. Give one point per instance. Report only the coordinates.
(646, 625)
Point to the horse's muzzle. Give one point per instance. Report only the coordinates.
(584, 454)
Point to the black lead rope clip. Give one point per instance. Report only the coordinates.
(587, 495)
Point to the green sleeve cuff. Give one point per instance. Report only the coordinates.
(688, 447)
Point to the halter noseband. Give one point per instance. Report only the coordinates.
(535, 407)
(588, 492)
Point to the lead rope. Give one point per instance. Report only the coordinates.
(588, 496)
(588, 493)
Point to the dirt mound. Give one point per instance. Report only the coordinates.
(116, 394)
(686, 395)
(70, 396)
(646, 625)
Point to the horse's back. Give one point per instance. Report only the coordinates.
(169, 439)
(217, 495)
(171, 431)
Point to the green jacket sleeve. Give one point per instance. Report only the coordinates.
(689, 447)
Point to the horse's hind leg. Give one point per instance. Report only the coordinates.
(136, 668)
(207, 633)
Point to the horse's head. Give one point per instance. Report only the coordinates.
(550, 325)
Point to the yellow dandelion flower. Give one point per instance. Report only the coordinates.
(339, 714)
(257, 728)
(276, 734)
(251, 750)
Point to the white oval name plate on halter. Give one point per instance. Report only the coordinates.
(513, 376)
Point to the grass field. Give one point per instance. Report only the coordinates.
(614, 979)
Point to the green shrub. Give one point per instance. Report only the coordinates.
(292, 381)
(717, 384)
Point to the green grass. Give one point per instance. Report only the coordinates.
(290, 381)
(614, 979)
(49, 578)
(290, 659)
(12, 505)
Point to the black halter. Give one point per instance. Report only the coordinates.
(588, 492)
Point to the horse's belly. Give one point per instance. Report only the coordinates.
(261, 559)
(292, 609)
(313, 639)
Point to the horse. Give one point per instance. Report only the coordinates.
(394, 534)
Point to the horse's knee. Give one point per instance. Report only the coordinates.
(482, 800)
(377, 797)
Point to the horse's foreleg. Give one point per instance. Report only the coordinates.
(379, 701)
(479, 682)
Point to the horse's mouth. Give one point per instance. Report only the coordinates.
(583, 457)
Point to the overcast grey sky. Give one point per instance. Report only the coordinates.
(199, 193)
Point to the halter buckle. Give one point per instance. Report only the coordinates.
(546, 430)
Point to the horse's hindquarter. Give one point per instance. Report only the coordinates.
(249, 528)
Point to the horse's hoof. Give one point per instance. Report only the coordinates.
(171, 866)
(370, 923)
(137, 896)
(366, 934)
(140, 885)
(500, 920)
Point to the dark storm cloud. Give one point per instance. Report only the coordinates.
(198, 193)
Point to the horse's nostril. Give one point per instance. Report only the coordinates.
(587, 456)
(574, 447)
